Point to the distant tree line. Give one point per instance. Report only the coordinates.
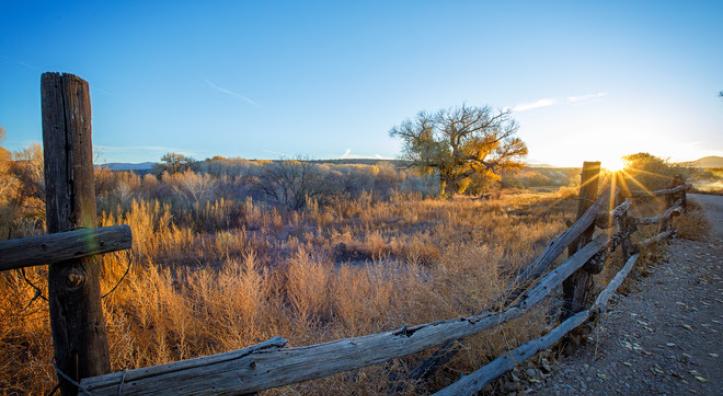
(290, 184)
(465, 149)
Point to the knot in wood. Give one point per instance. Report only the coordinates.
(407, 331)
(75, 278)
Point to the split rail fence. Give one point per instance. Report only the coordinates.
(81, 348)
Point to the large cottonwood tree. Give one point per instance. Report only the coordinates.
(462, 144)
(174, 163)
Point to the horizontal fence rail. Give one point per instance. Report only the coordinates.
(62, 246)
(559, 244)
(670, 212)
(656, 238)
(662, 192)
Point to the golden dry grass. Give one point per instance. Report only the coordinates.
(192, 292)
(211, 275)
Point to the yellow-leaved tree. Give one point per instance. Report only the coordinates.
(464, 145)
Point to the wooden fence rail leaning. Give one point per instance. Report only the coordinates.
(81, 349)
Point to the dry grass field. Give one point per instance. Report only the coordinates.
(210, 272)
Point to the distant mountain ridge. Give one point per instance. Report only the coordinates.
(704, 162)
(125, 166)
(711, 161)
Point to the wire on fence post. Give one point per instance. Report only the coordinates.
(128, 268)
(38, 292)
(71, 380)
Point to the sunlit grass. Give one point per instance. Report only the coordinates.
(210, 274)
(192, 293)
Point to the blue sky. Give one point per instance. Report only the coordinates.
(586, 80)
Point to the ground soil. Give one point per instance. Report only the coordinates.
(665, 337)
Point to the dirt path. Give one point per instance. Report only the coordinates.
(664, 338)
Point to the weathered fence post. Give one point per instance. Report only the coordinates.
(626, 227)
(76, 317)
(670, 198)
(576, 287)
(673, 198)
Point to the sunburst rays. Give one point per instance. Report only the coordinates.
(630, 174)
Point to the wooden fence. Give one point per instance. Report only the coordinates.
(73, 243)
(81, 349)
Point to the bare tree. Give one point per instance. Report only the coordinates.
(291, 182)
(191, 186)
(460, 143)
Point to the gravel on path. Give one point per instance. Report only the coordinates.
(664, 338)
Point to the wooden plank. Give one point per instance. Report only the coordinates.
(473, 383)
(62, 246)
(265, 369)
(673, 190)
(576, 288)
(200, 362)
(590, 177)
(601, 302)
(657, 238)
(662, 192)
(607, 219)
(626, 226)
(675, 209)
(670, 212)
(76, 316)
(558, 245)
(621, 209)
(677, 181)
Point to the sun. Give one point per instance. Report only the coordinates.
(614, 164)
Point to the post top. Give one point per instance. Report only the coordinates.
(61, 76)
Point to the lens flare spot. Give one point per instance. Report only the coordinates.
(614, 164)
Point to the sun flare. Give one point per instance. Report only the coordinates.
(614, 164)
